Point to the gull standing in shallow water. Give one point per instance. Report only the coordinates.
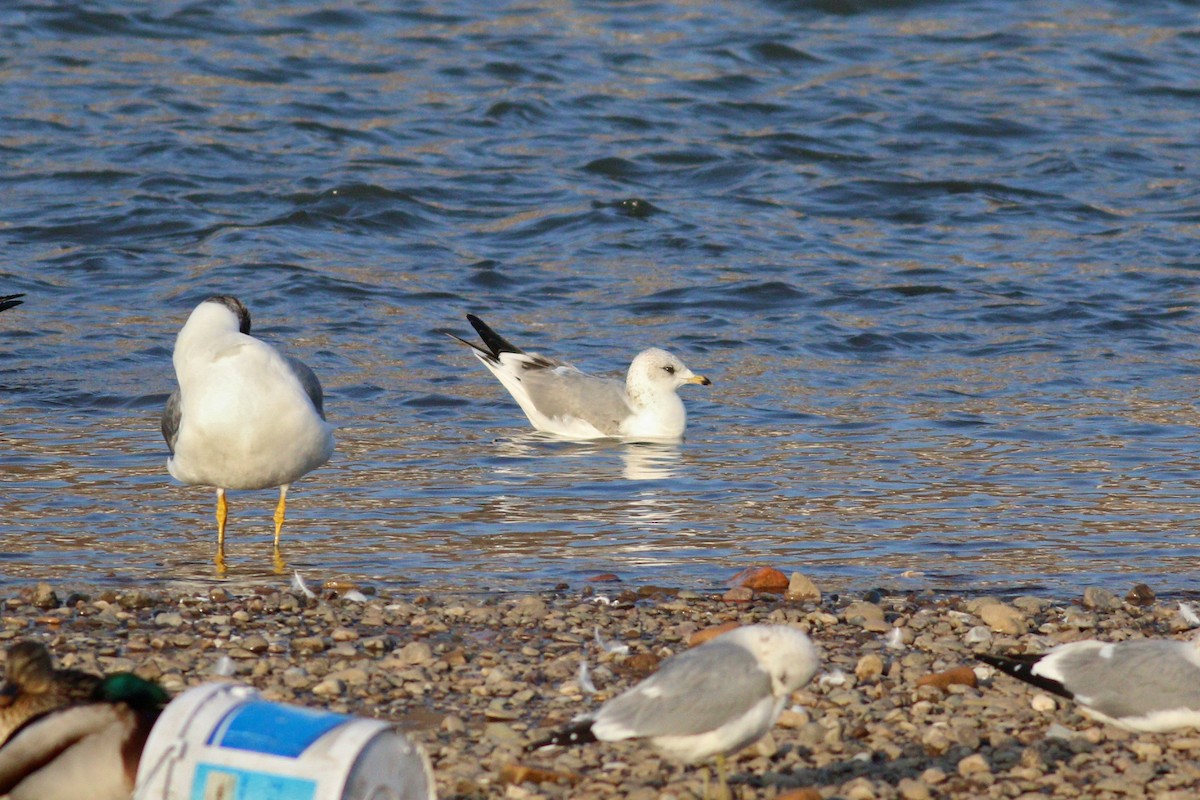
(1140, 685)
(712, 700)
(244, 416)
(558, 398)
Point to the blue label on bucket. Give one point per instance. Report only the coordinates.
(213, 782)
(273, 729)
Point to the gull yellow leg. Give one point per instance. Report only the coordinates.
(722, 779)
(280, 511)
(222, 516)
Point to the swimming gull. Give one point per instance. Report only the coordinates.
(1139, 685)
(712, 700)
(244, 415)
(558, 398)
(10, 300)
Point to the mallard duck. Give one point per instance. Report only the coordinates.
(90, 750)
(32, 686)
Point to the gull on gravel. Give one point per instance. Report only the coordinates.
(1140, 685)
(560, 399)
(712, 700)
(244, 416)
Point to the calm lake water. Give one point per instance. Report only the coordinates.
(940, 260)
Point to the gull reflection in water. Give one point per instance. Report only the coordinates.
(641, 461)
(650, 461)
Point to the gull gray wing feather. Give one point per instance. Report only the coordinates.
(695, 692)
(170, 420)
(308, 380)
(1139, 678)
(567, 392)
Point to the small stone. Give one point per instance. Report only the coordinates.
(44, 597)
(453, 725)
(706, 634)
(868, 616)
(255, 644)
(502, 733)
(414, 653)
(973, 765)
(330, 687)
(980, 634)
(859, 789)
(738, 594)
(168, 619)
(1185, 743)
(964, 676)
(1140, 595)
(869, 666)
(1043, 703)
(761, 579)
(807, 793)
(1146, 751)
(308, 644)
(1100, 599)
(1003, 618)
(801, 587)
(1076, 617)
(936, 740)
(531, 607)
(912, 789)
(933, 776)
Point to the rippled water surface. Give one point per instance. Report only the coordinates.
(940, 260)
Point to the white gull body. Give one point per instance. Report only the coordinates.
(712, 700)
(244, 415)
(1140, 685)
(559, 398)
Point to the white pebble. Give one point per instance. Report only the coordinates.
(1043, 703)
(977, 635)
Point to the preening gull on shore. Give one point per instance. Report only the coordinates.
(244, 415)
(712, 700)
(1140, 685)
(559, 398)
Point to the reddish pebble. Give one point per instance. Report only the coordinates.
(761, 579)
(964, 676)
(704, 634)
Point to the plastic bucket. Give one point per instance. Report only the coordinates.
(222, 741)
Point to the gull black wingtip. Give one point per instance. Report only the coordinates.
(496, 343)
(11, 301)
(578, 733)
(1021, 667)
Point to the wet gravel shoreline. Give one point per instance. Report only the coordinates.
(475, 678)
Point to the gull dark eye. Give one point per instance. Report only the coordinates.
(670, 370)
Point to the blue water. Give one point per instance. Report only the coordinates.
(939, 259)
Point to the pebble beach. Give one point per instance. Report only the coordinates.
(899, 709)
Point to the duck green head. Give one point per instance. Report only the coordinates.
(137, 693)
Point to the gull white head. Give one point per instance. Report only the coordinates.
(784, 653)
(650, 385)
(217, 315)
(656, 371)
